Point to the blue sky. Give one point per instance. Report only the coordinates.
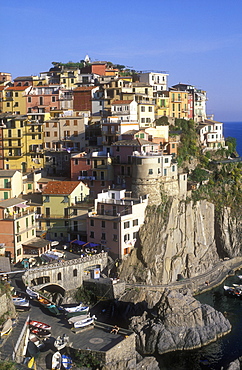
(196, 42)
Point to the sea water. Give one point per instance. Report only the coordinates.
(234, 129)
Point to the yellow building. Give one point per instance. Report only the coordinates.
(68, 78)
(178, 104)
(162, 104)
(14, 99)
(22, 143)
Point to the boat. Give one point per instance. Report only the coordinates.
(39, 325)
(7, 327)
(31, 363)
(41, 333)
(44, 301)
(78, 318)
(33, 338)
(66, 361)
(31, 293)
(78, 313)
(61, 342)
(56, 361)
(21, 303)
(78, 308)
(234, 291)
(53, 309)
(239, 276)
(85, 322)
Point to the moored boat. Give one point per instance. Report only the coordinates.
(39, 325)
(66, 361)
(85, 322)
(233, 291)
(78, 318)
(56, 361)
(31, 293)
(7, 327)
(21, 303)
(41, 333)
(78, 308)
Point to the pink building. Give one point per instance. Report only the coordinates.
(115, 221)
(42, 99)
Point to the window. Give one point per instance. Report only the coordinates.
(173, 146)
(92, 234)
(75, 133)
(75, 272)
(173, 168)
(18, 252)
(126, 237)
(91, 222)
(142, 120)
(165, 172)
(53, 99)
(117, 148)
(166, 160)
(135, 234)
(142, 108)
(135, 222)
(150, 109)
(47, 199)
(150, 171)
(59, 276)
(75, 162)
(115, 225)
(67, 123)
(47, 134)
(103, 224)
(103, 237)
(75, 122)
(115, 237)
(29, 99)
(126, 225)
(16, 104)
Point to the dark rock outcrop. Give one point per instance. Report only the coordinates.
(182, 323)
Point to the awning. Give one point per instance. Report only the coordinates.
(21, 205)
(79, 242)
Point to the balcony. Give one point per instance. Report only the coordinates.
(14, 155)
(13, 137)
(13, 146)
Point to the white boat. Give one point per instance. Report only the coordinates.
(7, 327)
(239, 276)
(78, 318)
(61, 341)
(56, 361)
(21, 303)
(32, 293)
(85, 322)
(78, 308)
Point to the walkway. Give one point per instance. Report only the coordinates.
(198, 284)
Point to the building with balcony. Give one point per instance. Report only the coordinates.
(21, 143)
(17, 228)
(14, 99)
(115, 221)
(60, 199)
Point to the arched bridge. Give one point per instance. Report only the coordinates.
(67, 274)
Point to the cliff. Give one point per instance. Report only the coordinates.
(181, 238)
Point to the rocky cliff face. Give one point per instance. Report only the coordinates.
(182, 323)
(181, 237)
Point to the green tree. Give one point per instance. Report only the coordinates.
(230, 142)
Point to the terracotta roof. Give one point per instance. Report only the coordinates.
(118, 102)
(60, 187)
(84, 88)
(20, 88)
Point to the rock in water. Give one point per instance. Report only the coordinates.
(182, 323)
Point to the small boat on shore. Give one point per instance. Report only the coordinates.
(21, 303)
(39, 325)
(78, 308)
(61, 342)
(31, 293)
(78, 318)
(41, 333)
(7, 327)
(56, 361)
(66, 361)
(85, 322)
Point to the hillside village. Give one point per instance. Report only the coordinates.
(84, 147)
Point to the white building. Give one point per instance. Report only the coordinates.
(158, 80)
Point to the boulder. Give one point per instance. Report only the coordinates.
(182, 323)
